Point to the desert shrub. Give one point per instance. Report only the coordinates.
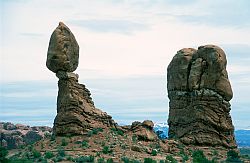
(61, 152)
(134, 138)
(58, 159)
(233, 156)
(48, 154)
(3, 154)
(149, 160)
(170, 159)
(83, 159)
(184, 157)
(64, 142)
(135, 161)
(154, 152)
(36, 153)
(47, 135)
(53, 137)
(110, 160)
(85, 144)
(198, 156)
(100, 160)
(215, 153)
(19, 160)
(69, 158)
(106, 150)
(42, 160)
(117, 131)
(94, 131)
(125, 160)
(30, 147)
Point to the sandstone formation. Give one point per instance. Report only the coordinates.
(143, 131)
(199, 93)
(76, 112)
(63, 51)
(14, 136)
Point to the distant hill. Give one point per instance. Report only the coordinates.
(242, 136)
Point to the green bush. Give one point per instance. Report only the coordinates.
(69, 158)
(100, 160)
(83, 159)
(64, 142)
(61, 152)
(58, 159)
(110, 160)
(170, 159)
(3, 154)
(184, 157)
(125, 160)
(233, 156)
(118, 131)
(198, 156)
(106, 150)
(149, 160)
(85, 144)
(48, 154)
(36, 153)
(154, 152)
(94, 131)
(134, 138)
(19, 160)
(53, 137)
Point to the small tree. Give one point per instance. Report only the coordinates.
(233, 156)
(3, 154)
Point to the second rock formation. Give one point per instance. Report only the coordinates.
(199, 93)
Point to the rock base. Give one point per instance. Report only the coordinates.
(76, 112)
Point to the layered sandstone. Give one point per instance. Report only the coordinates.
(76, 112)
(199, 91)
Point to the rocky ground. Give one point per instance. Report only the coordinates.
(135, 143)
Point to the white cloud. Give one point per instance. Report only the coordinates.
(120, 39)
(28, 26)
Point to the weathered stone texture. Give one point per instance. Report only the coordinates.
(76, 112)
(199, 93)
(63, 51)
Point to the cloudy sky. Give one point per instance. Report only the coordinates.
(125, 47)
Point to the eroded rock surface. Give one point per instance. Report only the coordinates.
(76, 112)
(17, 135)
(143, 131)
(199, 93)
(63, 51)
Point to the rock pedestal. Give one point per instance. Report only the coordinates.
(199, 93)
(76, 112)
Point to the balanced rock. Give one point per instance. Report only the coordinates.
(199, 93)
(143, 131)
(76, 112)
(63, 51)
